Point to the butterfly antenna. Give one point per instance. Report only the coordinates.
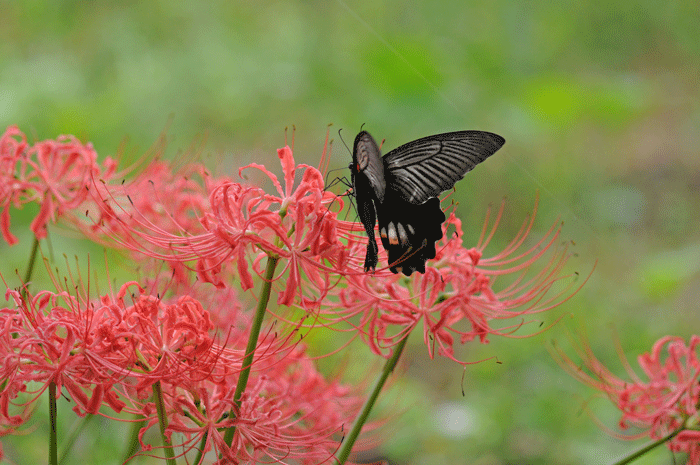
(341, 138)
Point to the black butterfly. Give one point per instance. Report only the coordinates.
(401, 189)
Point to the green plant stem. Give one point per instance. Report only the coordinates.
(253, 340)
(349, 440)
(30, 266)
(163, 422)
(200, 452)
(643, 450)
(76, 430)
(53, 420)
(133, 445)
(32, 260)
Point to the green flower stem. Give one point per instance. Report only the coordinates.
(253, 339)
(349, 441)
(133, 445)
(53, 414)
(643, 450)
(30, 269)
(163, 423)
(32, 260)
(200, 452)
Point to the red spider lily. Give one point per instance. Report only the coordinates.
(289, 412)
(11, 151)
(11, 416)
(243, 224)
(110, 353)
(172, 212)
(89, 348)
(191, 345)
(310, 247)
(159, 198)
(53, 173)
(296, 225)
(455, 296)
(46, 342)
(667, 401)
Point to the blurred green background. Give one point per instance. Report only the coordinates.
(598, 102)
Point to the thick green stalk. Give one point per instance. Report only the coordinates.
(349, 441)
(163, 423)
(253, 339)
(53, 420)
(32, 260)
(200, 453)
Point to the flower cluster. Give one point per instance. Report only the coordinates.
(194, 358)
(52, 173)
(454, 299)
(237, 227)
(110, 353)
(664, 405)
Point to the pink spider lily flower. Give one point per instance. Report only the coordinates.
(89, 348)
(159, 198)
(665, 401)
(46, 340)
(243, 224)
(455, 300)
(11, 414)
(13, 144)
(289, 412)
(297, 225)
(52, 173)
(110, 352)
(310, 245)
(166, 216)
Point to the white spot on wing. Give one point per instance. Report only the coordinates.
(393, 238)
(403, 237)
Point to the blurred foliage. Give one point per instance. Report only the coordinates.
(598, 102)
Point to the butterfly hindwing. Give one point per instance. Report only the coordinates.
(409, 232)
(401, 189)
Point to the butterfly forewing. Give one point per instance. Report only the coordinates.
(426, 167)
(368, 161)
